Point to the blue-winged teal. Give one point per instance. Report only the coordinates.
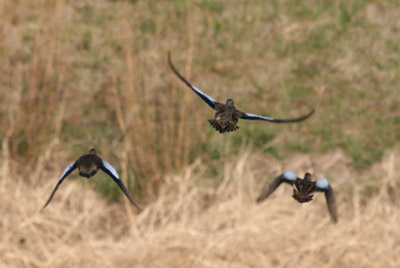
(226, 115)
(88, 166)
(303, 189)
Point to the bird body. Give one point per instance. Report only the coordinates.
(88, 166)
(303, 189)
(226, 117)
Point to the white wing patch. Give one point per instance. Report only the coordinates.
(260, 117)
(66, 170)
(110, 168)
(203, 94)
(322, 184)
(289, 175)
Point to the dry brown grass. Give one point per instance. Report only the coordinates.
(198, 224)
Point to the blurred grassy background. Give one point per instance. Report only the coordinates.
(81, 74)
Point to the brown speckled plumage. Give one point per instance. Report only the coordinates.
(303, 190)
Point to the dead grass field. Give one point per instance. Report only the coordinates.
(192, 223)
(82, 73)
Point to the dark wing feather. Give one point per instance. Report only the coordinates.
(206, 98)
(248, 116)
(331, 202)
(66, 172)
(110, 170)
(323, 185)
(270, 188)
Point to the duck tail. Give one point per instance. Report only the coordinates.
(216, 125)
(231, 128)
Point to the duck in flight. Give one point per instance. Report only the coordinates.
(303, 189)
(226, 115)
(88, 166)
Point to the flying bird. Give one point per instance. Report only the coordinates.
(303, 190)
(226, 115)
(88, 166)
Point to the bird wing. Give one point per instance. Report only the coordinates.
(248, 116)
(110, 170)
(323, 185)
(65, 173)
(288, 177)
(206, 98)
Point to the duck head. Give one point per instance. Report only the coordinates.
(92, 151)
(229, 103)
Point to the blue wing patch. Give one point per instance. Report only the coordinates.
(111, 169)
